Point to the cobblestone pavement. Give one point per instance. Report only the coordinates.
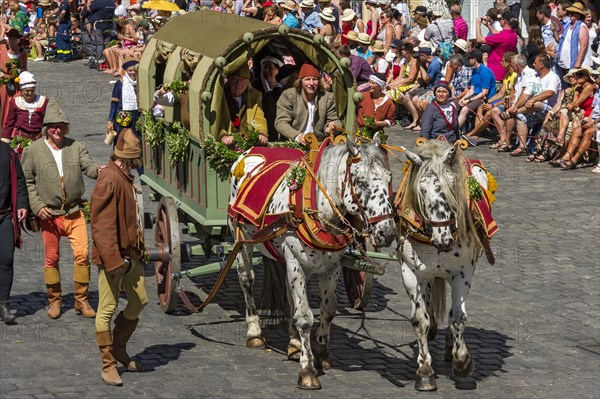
(534, 318)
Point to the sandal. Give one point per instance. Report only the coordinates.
(568, 165)
(557, 162)
(519, 152)
(504, 148)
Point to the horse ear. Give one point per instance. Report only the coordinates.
(450, 156)
(414, 158)
(352, 148)
(376, 140)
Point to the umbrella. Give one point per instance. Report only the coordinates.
(161, 5)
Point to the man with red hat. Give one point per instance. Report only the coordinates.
(306, 108)
(117, 251)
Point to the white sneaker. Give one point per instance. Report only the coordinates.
(39, 59)
(596, 169)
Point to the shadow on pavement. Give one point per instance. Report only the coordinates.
(160, 355)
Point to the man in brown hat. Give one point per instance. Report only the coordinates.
(54, 169)
(117, 250)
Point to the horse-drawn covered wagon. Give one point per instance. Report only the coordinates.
(193, 55)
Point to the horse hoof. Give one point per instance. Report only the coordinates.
(464, 368)
(425, 380)
(256, 343)
(293, 353)
(307, 379)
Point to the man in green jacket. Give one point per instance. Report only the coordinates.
(54, 169)
(306, 108)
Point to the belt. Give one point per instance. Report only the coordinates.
(65, 210)
(34, 135)
(5, 210)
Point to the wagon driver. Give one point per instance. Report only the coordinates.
(242, 108)
(306, 108)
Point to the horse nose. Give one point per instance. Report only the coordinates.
(385, 235)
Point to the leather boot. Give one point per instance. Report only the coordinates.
(109, 375)
(121, 334)
(6, 314)
(52, 278)
(81, 275)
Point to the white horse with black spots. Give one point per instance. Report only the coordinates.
(437, 192)
(365, 186)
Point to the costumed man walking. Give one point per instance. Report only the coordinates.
(124, 100)
(54, 169)
(13, 210)
(117, 249)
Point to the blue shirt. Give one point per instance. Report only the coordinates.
(291, 21)
(483, 78)
(434, 71)
(364, 54)
(311, 21)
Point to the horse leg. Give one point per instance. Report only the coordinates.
(294, 346)
(462, 363)
(327, 284)
(433, 327)
(303, 320)
(254, 337)
(425, 378)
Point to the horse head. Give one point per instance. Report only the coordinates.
(437, 191)
(365, 190)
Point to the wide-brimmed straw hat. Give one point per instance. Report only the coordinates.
(348, 15)
(289, 5)
(587, 71)
(351, 35)
(461, 44)
(307, 4)
(378, 47)
(576, 7)
(327, 14)
(569, 74)
(363, 38)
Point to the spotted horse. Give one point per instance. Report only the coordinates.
(305, 226)
(445, 225)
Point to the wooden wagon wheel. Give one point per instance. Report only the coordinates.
(359, 285)
(166, 235)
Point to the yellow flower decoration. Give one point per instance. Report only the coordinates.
(17, 80)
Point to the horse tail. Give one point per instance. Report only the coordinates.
(274, 302)
(438, 298)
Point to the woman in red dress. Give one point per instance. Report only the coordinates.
(25, 111)
(9, 69)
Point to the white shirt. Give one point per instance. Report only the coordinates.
(551, 82)
(57, 154)
(120, 11)
(548, 34)
(527, 82)
(311, 116)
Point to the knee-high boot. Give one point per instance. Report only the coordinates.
(123, 330)
(110, 375)
(81, 276)
(52, 279)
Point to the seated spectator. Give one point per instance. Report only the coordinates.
(273, 14)
(306, 108)
(290, 13)
(327, 29)
(38, 42)
(362, 48)
(462, 77)
(360, 69)
(533, 111)
(483, 86)
(430, 72)
(351, 22)
(440, 118)
(376, 105)
(404, 73)
(381, 65)
(311, 22)
(500, 99)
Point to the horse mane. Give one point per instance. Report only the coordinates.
(371, 156)
(456, 193)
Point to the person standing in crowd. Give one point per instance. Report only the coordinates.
(500, 42)
(63, 39)
(543, 15)
(117, 236)
(124, 100)
(25, 112)
(290, 14)
(306, 108)
(99, 14)
(13, 61)
(461, 29)
(311, 22)
(14, 203)
(54, 169)
(573, 43)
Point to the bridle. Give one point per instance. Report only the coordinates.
(369, 222)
